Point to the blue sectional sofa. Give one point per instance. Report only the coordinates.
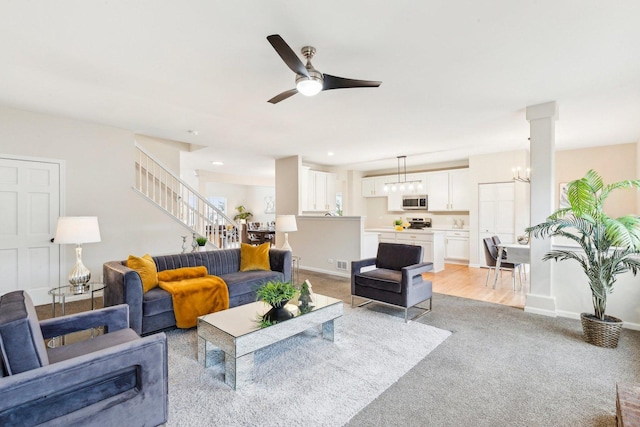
(153, 311)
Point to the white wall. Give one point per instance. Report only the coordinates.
(320, 239)
(99, 178)
(573, 295)
(613, 162)
(165, 151)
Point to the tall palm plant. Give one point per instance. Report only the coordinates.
(608, 244)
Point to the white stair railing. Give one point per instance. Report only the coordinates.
(167, 191)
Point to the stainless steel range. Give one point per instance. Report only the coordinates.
(419, 223)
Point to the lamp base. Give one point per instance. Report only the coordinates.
(286, 246)
(79, 275)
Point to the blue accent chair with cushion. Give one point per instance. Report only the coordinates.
(396, 280)
(114, 379)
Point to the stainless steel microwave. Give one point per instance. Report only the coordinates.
(412, 202)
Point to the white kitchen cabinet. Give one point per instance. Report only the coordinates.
(321, 191)
(374, 186)
(438, 191)
(394, 202)
(387, 237)
(457, 245)
(448, 190)
(459, 190)
(496, 214)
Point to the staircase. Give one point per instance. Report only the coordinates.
(163, 188)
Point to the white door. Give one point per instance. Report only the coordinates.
(29, 209)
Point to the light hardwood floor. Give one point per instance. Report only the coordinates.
(469, 282)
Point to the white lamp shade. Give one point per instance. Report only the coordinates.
(77, 230)
(286, 223)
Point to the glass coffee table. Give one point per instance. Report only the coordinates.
(237, 334)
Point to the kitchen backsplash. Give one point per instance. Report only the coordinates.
(437, 220)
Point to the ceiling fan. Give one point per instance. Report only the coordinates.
(309, 81)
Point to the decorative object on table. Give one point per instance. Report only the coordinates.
(277, 294)
(243, 215)
(609, 246)
(194, 243)
(305, 300)
(400, 225)
(202, 241)
(523, 240)
(184, 244)
(78, 230)
(270, 205)
(286, 224)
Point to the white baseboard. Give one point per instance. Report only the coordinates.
(544, 305)
(330, 272)
(540, 311)
(576, 316)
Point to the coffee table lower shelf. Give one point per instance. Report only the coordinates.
(236, 334)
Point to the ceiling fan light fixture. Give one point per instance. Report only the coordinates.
(308, 86)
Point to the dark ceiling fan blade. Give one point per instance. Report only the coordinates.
(288, 55)
(333, 82)
(283, 96)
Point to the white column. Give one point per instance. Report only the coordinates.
(541, 119)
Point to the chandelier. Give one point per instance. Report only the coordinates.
(402, 184)
(515, 173)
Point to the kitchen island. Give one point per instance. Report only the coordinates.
(432, 242)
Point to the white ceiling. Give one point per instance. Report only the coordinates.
(457, 75)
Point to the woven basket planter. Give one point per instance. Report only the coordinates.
(603, 333)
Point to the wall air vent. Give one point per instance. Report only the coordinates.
(341, 265)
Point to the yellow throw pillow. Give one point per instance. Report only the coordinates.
(147, 270)
(254, 257)
(183, 273)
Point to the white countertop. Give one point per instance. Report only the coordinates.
(408, 230)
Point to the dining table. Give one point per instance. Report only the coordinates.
(263, 234)
(515, 254)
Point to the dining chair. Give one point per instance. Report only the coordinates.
(491, 257)
(523, 270)
(248, 237)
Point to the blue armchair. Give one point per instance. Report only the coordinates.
(113, 379)
(396, 280)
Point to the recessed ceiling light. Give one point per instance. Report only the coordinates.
(330, 153)
(193, 132)
(217, 163)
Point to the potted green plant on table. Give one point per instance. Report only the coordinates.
(608, 248)
(243, 214)
(202, 241)
(277, 294)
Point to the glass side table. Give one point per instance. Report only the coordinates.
(61, 293)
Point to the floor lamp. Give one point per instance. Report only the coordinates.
(78, 230)
(286, 224)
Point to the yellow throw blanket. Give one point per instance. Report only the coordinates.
(195, 297)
